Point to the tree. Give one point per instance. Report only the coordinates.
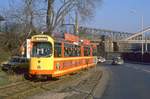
(53, 10)
(26, 16)
(1, 18)
(55, 16)
(19, 23)
(29, 13)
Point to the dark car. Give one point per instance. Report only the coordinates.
(117, 61)
(15, 63)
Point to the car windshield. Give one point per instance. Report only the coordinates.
(14, 60)
(41, 49)
(23, 60)
(117, 59)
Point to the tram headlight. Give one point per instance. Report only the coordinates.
(57, 66)
(38, 67)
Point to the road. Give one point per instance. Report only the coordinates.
(128, 81)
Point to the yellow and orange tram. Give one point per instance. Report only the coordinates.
(55, 58)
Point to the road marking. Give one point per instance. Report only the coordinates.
(127, 65)
(146, 70)
(138, 68)
(135, 67)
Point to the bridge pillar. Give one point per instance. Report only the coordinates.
(109, 46)
(115, 46)
(146, 47)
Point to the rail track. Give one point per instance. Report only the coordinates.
(18, 89)
(21, 89)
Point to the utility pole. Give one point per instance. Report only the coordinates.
(1, 19)
(142, 36)
(142, 25)
(76, 23)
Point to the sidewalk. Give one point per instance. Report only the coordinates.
(102, 84)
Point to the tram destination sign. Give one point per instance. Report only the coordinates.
(41, 38)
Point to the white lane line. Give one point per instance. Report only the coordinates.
(146, 70)
(135, 67)
(138, 68)
(127, 66)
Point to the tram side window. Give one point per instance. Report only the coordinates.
(72, 50)
(78, 51)
(68, 50)
(75, 51)
(57, 50)
(94, 52)
(86, 51)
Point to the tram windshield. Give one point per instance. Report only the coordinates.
(42, 49)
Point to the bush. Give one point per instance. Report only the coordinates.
(4, 55)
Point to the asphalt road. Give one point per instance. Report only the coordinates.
(128, 81)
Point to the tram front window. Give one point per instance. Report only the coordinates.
(42, 49)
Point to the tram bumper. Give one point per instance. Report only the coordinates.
(41, 72)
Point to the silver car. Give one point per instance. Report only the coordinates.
(101, 59)
(118, 61)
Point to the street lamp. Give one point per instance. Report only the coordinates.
(142, 34)
(142, 25)
(1, 19)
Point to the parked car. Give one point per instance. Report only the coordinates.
(16, 63)
(101, 59)
(117, 61)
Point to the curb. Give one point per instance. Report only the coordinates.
(102, 84)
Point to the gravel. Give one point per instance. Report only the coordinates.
(78, 86)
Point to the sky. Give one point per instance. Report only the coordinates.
(118, 15)
(122, 15)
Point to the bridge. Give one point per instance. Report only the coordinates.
(142, 37)
(139, 37)
(119, 41)
(114, 35)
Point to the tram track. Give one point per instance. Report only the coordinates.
(20, 89)
(12, 89)
(85, 88)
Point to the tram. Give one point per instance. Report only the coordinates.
(56, 57)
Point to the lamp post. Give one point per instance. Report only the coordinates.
(142, 35)
(142, 25)
(142, 21)
(1, 19)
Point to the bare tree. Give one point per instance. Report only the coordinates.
(25, 14)
(53, 10)
(29, 14)
(50, 14)
(85, 8)
(19, 23)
